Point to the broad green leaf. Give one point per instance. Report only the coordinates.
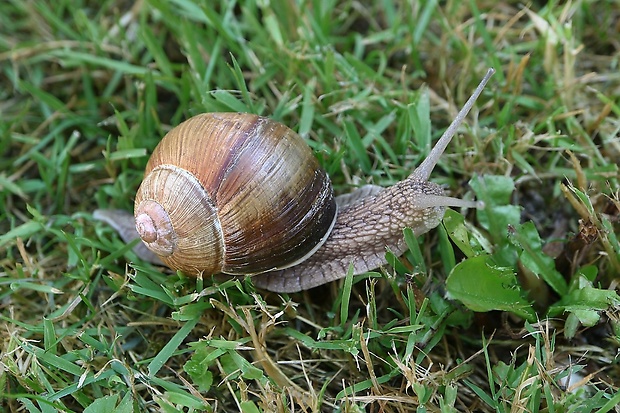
(585, 298)
(498, 188)
(482, 286)
(495, 192)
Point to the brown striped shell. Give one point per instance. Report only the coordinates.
(233, 193)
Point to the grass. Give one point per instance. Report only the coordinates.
(511, 308)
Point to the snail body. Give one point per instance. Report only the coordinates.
(242, 194)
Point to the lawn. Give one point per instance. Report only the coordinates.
(513, 307)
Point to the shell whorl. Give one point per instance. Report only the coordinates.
(155, 228)
(169, 228)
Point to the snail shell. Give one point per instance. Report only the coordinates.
(233, 193)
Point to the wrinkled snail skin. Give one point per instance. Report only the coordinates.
(318, 242)
(377, 223)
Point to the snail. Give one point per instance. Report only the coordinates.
(242, 194)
